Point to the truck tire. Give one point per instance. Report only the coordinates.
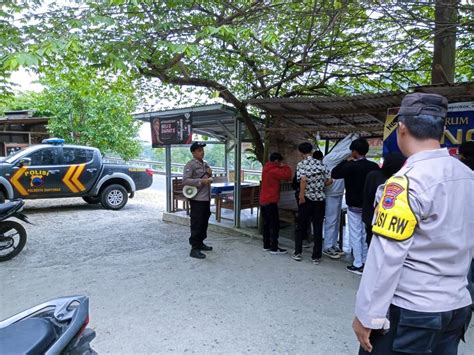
(91, 200)
(2, 197)
(114, 197)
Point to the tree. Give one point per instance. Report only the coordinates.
(11, 44)
(444, 50)
(244, 49)
(85, 108)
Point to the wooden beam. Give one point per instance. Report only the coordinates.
(327, 129)
(345, 121)
(307, 110)
(378, 118)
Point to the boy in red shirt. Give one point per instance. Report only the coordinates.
(273, 173)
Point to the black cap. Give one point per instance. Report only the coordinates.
(423, 104)
(197, 145)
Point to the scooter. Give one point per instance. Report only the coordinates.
(51, 328)
(12, 234)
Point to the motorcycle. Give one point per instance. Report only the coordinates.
(12, 234)
(51, 328)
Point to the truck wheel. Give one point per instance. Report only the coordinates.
(114, 197)
(92, 200)
(2, 197)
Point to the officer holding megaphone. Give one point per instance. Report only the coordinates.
(197, 178)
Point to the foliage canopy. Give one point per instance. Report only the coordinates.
(244, 49)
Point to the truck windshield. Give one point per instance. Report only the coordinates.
(12, 157)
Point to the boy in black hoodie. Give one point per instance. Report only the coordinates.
(391, 164)
(354, 171)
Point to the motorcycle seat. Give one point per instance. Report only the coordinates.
(7, 206)
(29, 336)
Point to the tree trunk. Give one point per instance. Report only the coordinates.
(444, 52)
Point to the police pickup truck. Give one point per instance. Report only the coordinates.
(53, 169)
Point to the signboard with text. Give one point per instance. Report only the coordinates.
(171, 130)
(459, 128)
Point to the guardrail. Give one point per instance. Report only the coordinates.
(177, 168)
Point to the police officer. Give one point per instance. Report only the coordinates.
(422, 244)
(198, 173)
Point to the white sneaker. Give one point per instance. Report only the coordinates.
(279, 251)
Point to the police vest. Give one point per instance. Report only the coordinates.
(394, 216)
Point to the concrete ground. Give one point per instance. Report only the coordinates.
(147, 296)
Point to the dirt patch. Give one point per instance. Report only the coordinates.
(147, 296)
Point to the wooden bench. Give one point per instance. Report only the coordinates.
(177, 188)
(250, 198)
(178, 195)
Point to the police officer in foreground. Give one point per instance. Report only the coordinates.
(412, 298)
(198, 173)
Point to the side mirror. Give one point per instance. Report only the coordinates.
(24, 162)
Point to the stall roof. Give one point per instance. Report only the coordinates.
(335, 116)
(216, 120)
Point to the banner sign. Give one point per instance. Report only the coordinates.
(171, 130)
(459, 128)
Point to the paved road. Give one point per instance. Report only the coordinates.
(147, 295)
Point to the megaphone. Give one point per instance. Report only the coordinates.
(189, 191)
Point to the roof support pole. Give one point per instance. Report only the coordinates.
(326, 147)
(226, 159)
(237, 166)
(169, 193)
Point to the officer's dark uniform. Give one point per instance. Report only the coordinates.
(194, 171)
(419, 257)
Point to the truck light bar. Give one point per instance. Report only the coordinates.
(53, 141)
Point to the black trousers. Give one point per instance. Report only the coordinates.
(200, 213)
(271, 226)
(368, 233)
(414, 332)
(310, 211)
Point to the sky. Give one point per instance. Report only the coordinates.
(26, 81)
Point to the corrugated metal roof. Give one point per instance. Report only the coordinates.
(335, 116)
(215, 120)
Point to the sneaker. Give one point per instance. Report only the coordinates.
(296, 257)
(306, 244)
(330, 253)
(266, 249)
(316, 261)
(279, 251)
(205, 247)
(338, 250)
(196, 253)
(355, 270)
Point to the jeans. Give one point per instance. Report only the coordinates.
(271, 226)
(332, 220)
(357, 236)
(200, 213)
(413, 332)
(310, 211)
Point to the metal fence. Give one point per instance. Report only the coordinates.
(177, 168)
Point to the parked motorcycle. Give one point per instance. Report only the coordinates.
(12, 234)
(51, 328)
